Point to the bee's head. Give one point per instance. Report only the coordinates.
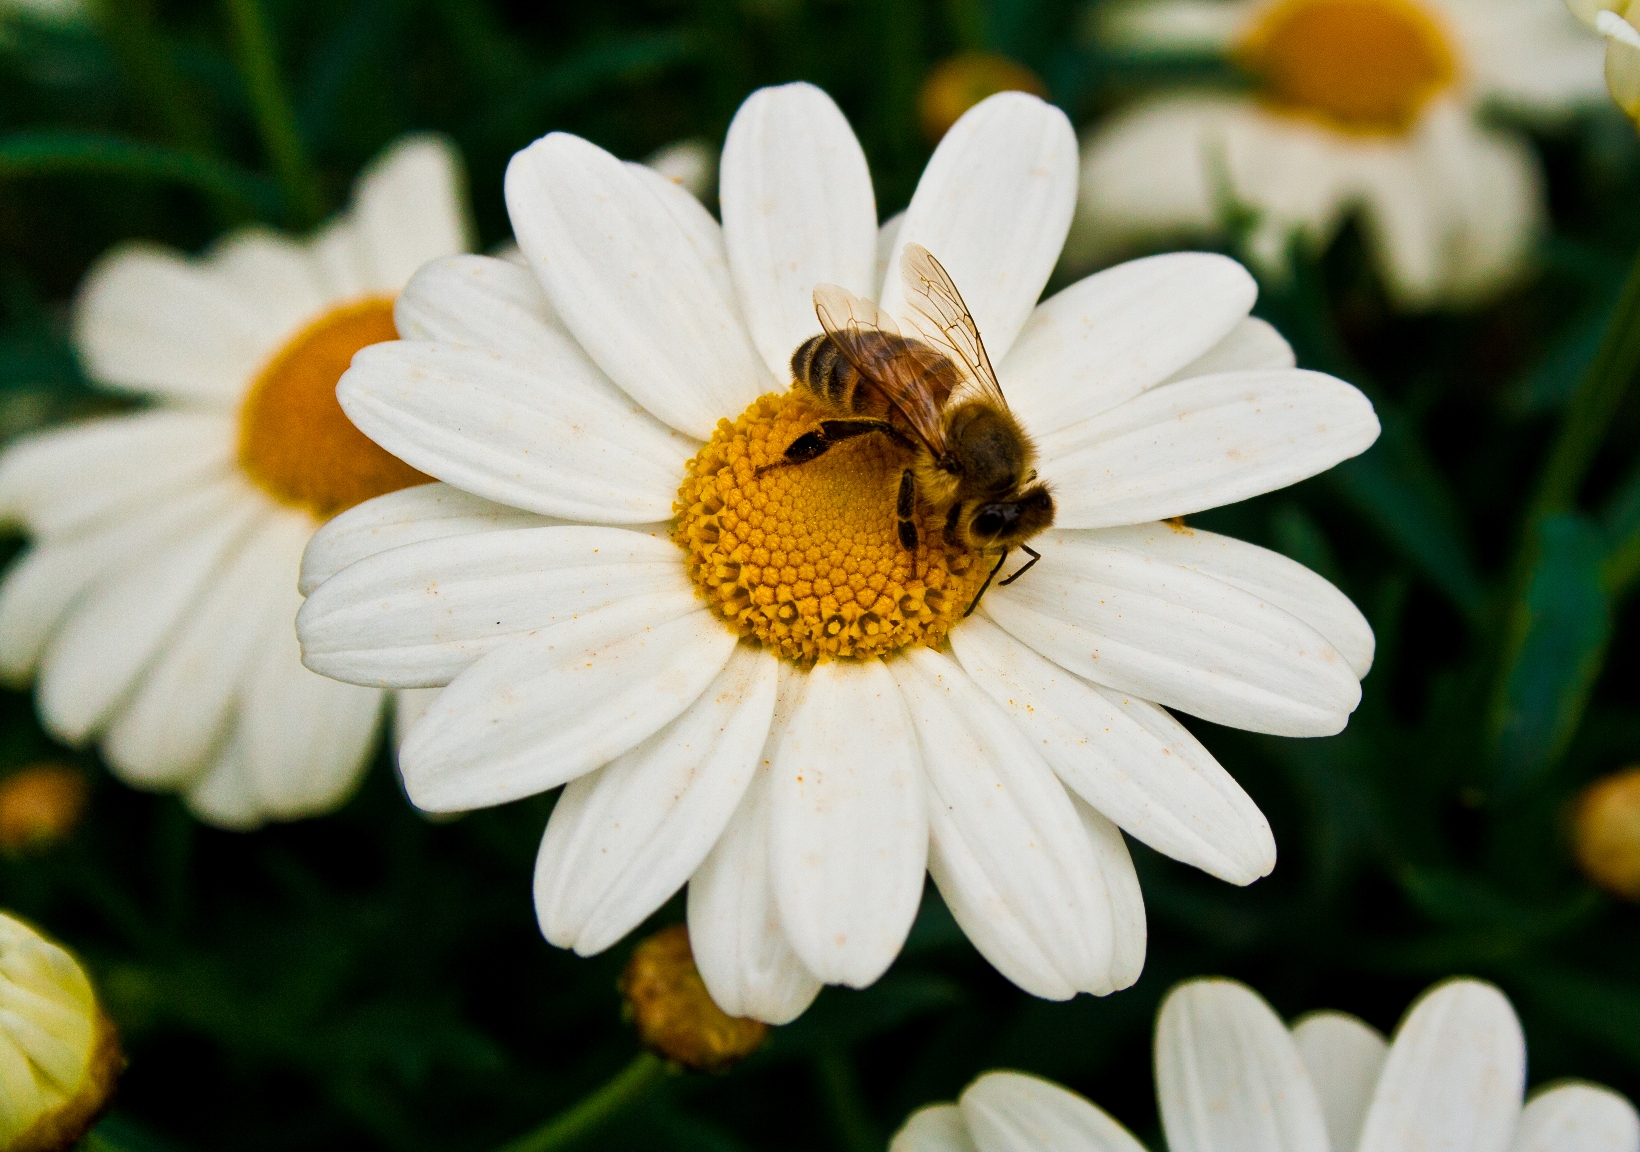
(1009, 523)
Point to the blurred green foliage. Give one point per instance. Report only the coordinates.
(374, 980)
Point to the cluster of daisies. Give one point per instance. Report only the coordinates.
(521, 510)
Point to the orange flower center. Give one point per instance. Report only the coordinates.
(806, 558)
(1364, 66)
(294, 439)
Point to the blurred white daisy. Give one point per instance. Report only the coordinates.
(620, 398)
(154, 603)
(1357, 105)
(1231, 1077)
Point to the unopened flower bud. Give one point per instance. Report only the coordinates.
(39, 806)
(958, 83)
(674, 1013)
(1606, 833)
(59, 1055)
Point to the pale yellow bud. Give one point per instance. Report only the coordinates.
(958, 83)
(674, 1013)
(59, 1055)
(39, 806)
(1606, 833)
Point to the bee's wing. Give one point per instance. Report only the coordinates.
(902, 370)
(944, 320)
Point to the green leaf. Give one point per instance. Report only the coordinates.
(1555, 646)
(93, 153)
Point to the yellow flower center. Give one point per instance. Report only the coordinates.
(958, 83)
(1365, 66)
(806, 558)
(294, 439)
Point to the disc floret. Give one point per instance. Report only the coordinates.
(806, 558)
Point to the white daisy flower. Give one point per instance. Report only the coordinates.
(1231, 1077)
(746, 681)
(1369, 105)
(154, 602)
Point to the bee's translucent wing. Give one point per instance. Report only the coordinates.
(944, 320)
(912, 377)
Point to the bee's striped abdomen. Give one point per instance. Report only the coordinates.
(819, 366)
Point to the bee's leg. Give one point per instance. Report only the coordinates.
(836, 430)
(1024, 568)
(905, 508)
(814, 444)
(1000, 560)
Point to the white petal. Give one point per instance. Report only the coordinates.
(623, 839)
(342, 256)
(1259, 572)
(1129, 932)
(69, 479)
(223, 797)
(183, 706)
(734, 920)
(1622, 60)
(627, 281)
(798, 210)
(557, 703)
(935, 1128)
(1186, 27)
(307, 739)
(149, 320)
(848, 832)
(1007, 848)
(42, 587)
(104, 646)
(1573, 1117)
(419, 615)
(1344, 1058)
(1126, 757)
(409, 208)
(1107, 338)
(700, 229)
(1251, 344)
(1013, 1112)
(1228, 1076)
(545, 436)
(1201, 443)
(484, 303)
(1455, 1074)
(993, 206)
(888, 247)
(1180, 638)
(690, 164)
(408, 516)
(275, 271)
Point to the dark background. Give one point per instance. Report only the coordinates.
(372, 980)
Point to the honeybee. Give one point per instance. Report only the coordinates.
(936, 395)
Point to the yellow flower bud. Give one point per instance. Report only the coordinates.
(675, 1015)
(1606, 833)
(39, 806)
(958, 83)
(59, 1055)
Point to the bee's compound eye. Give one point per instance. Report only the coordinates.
(991, 519)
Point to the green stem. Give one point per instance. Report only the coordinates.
(275, 118)
(1592, 408)
(628, 1086)
(93, 153)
